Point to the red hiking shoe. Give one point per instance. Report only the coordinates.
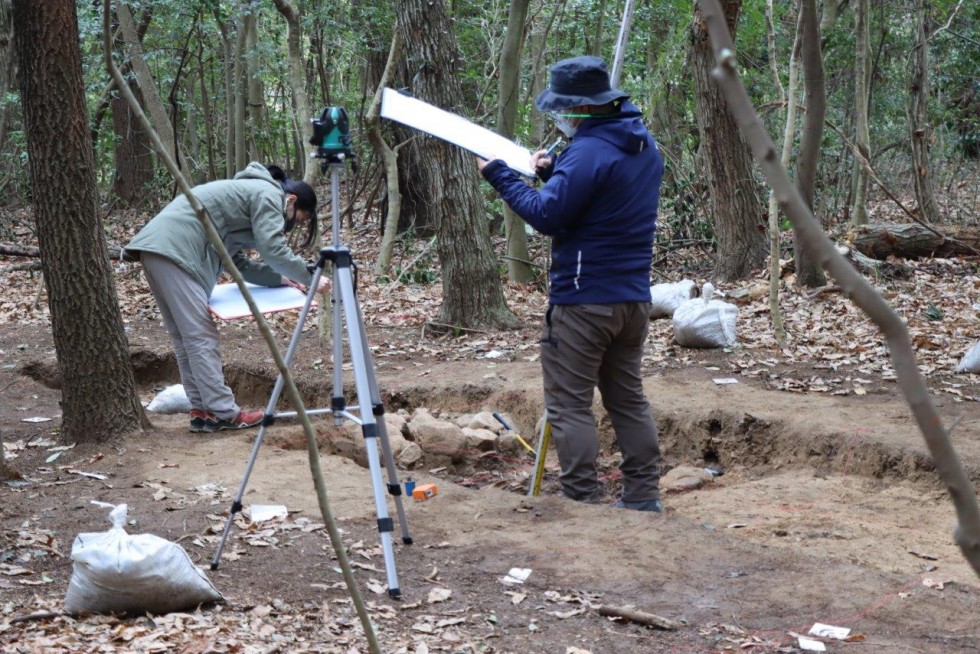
(243, 420)
(203, 421)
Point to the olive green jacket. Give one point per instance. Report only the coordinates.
(248, 214)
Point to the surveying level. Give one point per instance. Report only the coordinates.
(331, 135)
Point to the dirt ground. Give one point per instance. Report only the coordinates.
(828, 510)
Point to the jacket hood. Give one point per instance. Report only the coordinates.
(255, 170)
(624, 130)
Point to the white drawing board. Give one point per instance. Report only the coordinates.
(227, 302)
(454, 129)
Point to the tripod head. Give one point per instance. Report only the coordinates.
(331, 136)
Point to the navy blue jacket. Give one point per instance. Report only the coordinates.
(599, 205)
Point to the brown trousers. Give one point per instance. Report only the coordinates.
(585, 346)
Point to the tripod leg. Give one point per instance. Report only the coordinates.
(337, 403)
(269, 418)
(394, 486)
(369, 426)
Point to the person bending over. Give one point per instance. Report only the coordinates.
(599, 203)
(252, 211)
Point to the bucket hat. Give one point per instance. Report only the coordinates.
(576, 82)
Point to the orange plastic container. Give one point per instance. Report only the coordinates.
(425, 491)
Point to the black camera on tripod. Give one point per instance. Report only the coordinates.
(331, 136)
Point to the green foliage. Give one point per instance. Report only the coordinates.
(421, 274)
(346, 43)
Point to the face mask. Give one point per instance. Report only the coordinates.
(290, 222)
(565, 127)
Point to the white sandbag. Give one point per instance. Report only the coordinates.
(113, 572)
(704, 322)
(172, 399)
(665, 298)
(971, 360)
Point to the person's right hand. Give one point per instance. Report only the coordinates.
(323, 286)
(541, 160)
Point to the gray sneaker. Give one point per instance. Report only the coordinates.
(648, 505)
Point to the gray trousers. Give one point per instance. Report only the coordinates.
(184, 307)
(585, 346)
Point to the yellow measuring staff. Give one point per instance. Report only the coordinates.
(539, 456)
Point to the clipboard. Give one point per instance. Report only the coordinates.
(226, 301)
(455, 129)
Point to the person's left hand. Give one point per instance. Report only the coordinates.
(481, 163)
(322, 287)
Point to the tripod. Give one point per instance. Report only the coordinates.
(369, 408)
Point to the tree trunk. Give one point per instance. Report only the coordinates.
(209, 118)
(830, 11)
(150, 95)
(238, 100)
(297, 82)
(226, 27)
(808, 270)
(738, 211)
(8, 69)
(595, 47)
(789, 130)
(255, 118)
(472, 291)
(389, 158)
(862, 138)
(133, 153)
(99, 398)
(508, 95)
(918, 113)
(912, 241)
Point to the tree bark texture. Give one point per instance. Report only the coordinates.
(808, 271)
(739, 216)
(918, 112)
(518, 268)
(913, 241)
(99, 398)
(472, 290)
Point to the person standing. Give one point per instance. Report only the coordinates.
(252, 211)
(599, 204)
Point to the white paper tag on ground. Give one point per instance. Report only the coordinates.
(516, 576)
(811, 645)
(721, 381)
(36, 419)
(829, 631)
(263, 512)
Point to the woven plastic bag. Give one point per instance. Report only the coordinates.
(704, 322)
(971, 360)
(114, 572)
(665, 298)
(172, 399)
